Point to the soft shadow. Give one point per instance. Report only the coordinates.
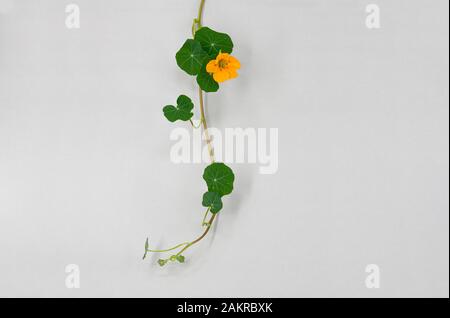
(242, 189)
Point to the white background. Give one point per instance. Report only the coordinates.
(85, 174)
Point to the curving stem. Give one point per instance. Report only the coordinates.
(197, 24)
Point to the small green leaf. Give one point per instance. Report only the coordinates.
(219, 178)
(206, 81)
(191, 57)
(214, 42)
(180, 258)
(183, 110)
(162, 262)
(213, 201)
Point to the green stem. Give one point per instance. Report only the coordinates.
(206, 214)
(169, 249)
(205, 126)
(200, 237)
(200, 13)
(197, 24)
(198, 126)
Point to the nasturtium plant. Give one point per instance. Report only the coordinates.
(207, 57)
(206, 81)
(223, 68)
(219, 178)
(191, 57)
(183, 110)
(213, 201)
(214, 42)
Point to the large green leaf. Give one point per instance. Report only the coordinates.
(213, 201)
(219, 178)
(206, 81)
(191, 57)
(183, 110)
(213, 42)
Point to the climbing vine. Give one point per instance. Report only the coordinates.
(207, 57)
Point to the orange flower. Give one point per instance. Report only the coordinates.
(224, 67)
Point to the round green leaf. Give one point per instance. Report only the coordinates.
(183, 110)
(212, 201)
(213, 42)
(206, 81)
(219, 178)
(191, 57)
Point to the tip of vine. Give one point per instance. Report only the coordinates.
(146, 248)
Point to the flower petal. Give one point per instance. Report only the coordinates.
(234, 62)
(233, 74)
(212, 67)
(221, 76)
(223, 56)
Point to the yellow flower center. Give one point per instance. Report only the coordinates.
(223, 63)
